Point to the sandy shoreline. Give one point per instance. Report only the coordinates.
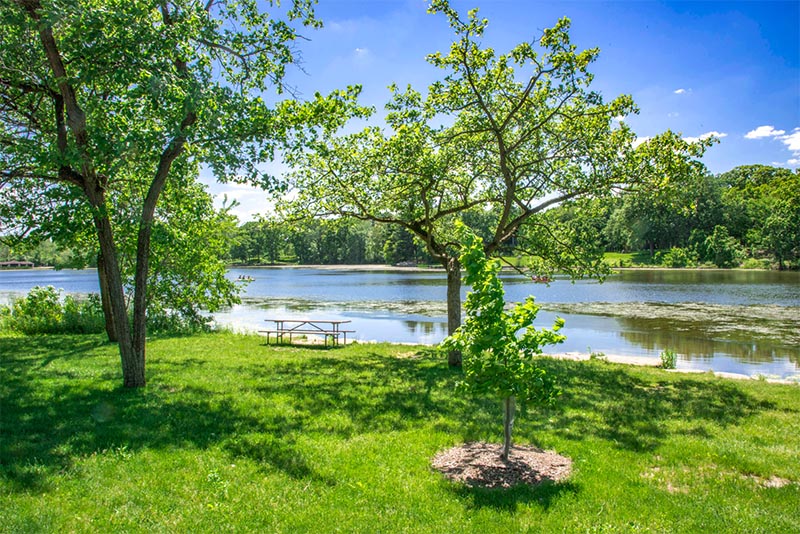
(646, 361)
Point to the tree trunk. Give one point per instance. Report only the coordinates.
(140, 288)
(510, 404)
(132, 366)
(453, 267)
(105, 299)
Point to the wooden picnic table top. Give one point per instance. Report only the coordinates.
(329, 321)
(316, 324)
(308, 326)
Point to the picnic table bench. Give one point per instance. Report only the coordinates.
(329, 329)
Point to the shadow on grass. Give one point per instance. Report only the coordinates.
(61, 401)
(543, 495)
(615, 404)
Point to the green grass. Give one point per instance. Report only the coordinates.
(629, 259)
(233, 435)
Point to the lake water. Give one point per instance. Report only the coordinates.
(734, 321)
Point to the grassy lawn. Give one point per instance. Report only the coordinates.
(628, 259)
(232, 435)
(613, 259)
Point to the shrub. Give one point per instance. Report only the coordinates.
(83, 316)
(41, 312)
(677, 257)
(669, 360)
(754, 263)
(597, 355)
(161, 321)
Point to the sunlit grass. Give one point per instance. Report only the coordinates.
(233, 435)
(628, 259)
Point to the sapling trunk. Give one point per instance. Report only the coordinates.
(510, 404)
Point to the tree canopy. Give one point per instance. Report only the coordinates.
(103, 100)
(507, 136)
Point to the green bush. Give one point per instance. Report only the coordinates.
(723, 249)
(83, 316)
(754, 263)
(173, 322)
(42, 312)
(677, 257)
(669, 360)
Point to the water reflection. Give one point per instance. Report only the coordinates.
(720, 345)
(743, 321)
(693, 345)
(433, 329)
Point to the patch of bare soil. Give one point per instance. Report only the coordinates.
(479, 464)
(771, 482)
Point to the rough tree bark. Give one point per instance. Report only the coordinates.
(132, 367)
(453, 268)
(105, 300)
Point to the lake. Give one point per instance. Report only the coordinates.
(725, 320)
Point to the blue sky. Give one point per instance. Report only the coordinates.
(731, 69)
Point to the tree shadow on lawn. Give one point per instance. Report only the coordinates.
(48, 425)
(614, 403)
(509, 499)
(257, 410)
(375, 393)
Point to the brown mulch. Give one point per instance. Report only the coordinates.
(479, 464)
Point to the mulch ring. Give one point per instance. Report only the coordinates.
(479, 464)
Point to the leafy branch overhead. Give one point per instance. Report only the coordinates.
(512, 133)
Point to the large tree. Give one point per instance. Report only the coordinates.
(186, 274)
(762, 209)
(97, 95)
(506, 135)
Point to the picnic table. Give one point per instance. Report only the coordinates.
(329, 329)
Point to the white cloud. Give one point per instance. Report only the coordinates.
(680, 91)
(361, 52)
(792, 141)
(703, 137)
(351, 26)
(640, 140)
(764, 131)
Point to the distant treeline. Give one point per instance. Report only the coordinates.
(324, 243)
(749, 215)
